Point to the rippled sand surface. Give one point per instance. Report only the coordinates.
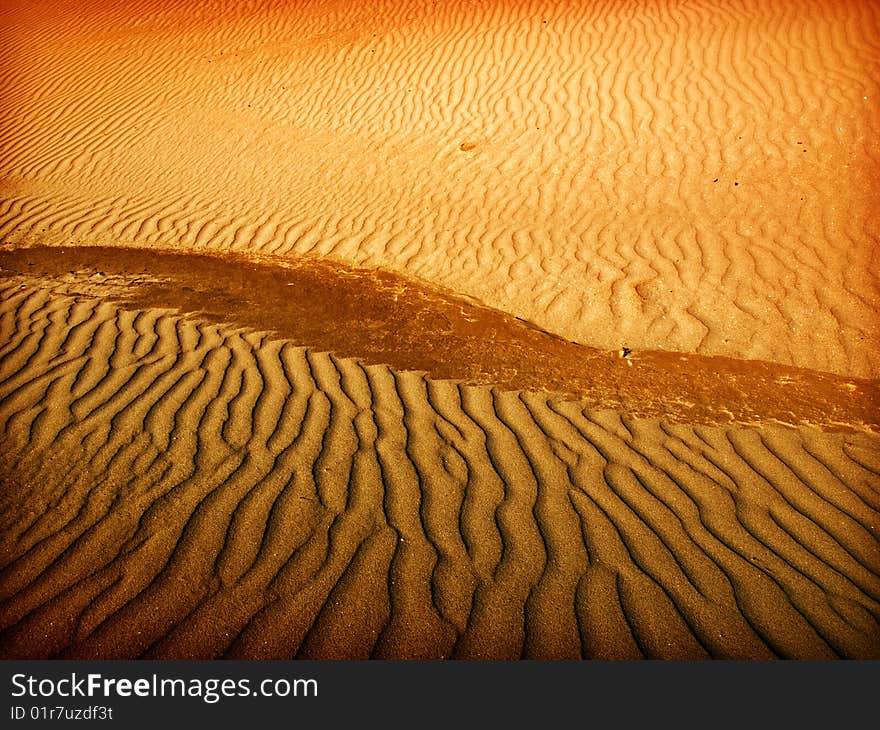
(178, 485)
(691, 176)
(440, 329)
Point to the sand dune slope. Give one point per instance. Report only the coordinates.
(174, 488)
(687, 175)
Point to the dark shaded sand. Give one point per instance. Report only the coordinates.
(302, 472)
(384, 318)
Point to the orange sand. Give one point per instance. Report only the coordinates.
(659, 439)
(659, 175)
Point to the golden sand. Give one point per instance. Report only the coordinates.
(661, 175)
(528, 329)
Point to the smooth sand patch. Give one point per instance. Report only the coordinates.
(386, 319)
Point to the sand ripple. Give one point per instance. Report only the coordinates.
(179, 488)
(689, 176)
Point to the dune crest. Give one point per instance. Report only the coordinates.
(382, 318)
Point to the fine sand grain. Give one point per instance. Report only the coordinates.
(693, 176)
(440, 329)
(176, 488)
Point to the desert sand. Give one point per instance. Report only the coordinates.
(440, 329)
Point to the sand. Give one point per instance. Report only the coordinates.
(176, 488)
(528, 329)
(657, 175)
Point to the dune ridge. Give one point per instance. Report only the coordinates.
(382, 318)
(685, 176)
(179, 488)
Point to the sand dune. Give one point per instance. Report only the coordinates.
(689, 176)
(528, 329)
(178, 488)
(386, 319)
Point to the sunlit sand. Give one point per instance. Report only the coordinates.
(440, 329)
